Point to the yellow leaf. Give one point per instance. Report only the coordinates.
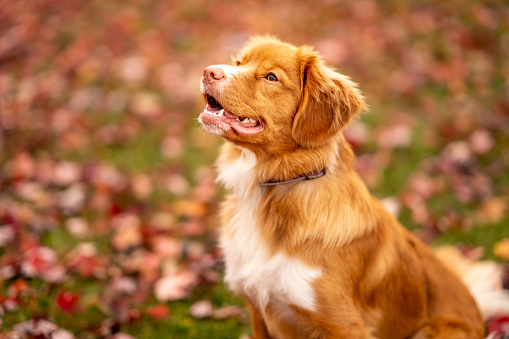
(501, 249)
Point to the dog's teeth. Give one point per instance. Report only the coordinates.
(237, 119)
(221, 113)
(246, 120)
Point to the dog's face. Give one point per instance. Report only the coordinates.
(277, 96)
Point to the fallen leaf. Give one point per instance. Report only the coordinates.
(73, 198)
(141, 185)
(22, 166)
(206, 188)
(38, 260)
(192, 228)
(397, 135)
(457, 152)
(68, 302)
(66, 173)
(167, 246)
(7, 235)
(77, 226)
(176, 184)
(146, 104)
(159, 312)
(190, 208)
(424, 185)
(62, 334)
(85, 261)
(107, 177)
(501, 249)
(201, 309)
(163, 221)
(127, 234)
(498, 327)
(175, 287)
(481, 142)
(122, 286)
(56, 274)
(35, 327)
(491, 211)
(172, 147)
(121, 335)
(17, 287)
(229, 312)
(133, 70)
(34, 193)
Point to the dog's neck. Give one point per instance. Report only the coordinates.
(241, 172)
(302, 162)
(306, 176)
(240, 169)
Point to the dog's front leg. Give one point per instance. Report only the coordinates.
(348, 331)
(339, 323)
(257, 324)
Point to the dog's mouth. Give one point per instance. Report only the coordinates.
(215, 115)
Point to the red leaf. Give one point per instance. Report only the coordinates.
(85, 261)
(159, 312)
(499, 326)
(115, 210)
(68, 301)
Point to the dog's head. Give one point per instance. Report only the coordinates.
(277, 96)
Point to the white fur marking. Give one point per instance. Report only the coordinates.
(238, 176)
(250, 269)
(230, 70)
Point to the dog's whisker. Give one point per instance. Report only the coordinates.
(252, 111)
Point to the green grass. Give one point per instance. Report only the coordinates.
(480, 235)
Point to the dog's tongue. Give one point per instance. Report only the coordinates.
(245, 126)
(224, 119)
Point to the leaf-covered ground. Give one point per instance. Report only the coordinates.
(107, 196)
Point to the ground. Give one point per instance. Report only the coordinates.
(107, 196)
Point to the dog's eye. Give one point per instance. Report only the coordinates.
(271, 77)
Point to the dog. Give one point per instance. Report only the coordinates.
(313, 254)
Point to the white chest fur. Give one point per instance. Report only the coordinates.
(250, 268)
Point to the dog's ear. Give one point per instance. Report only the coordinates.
(329, 101)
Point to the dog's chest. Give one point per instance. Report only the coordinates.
(253, 271)
(250, 268)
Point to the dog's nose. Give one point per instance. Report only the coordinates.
(213, 73)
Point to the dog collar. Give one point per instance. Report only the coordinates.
(308, 176)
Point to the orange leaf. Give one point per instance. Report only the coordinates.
(159, 312)
(501, 249)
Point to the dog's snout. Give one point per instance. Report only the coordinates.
(213, 73)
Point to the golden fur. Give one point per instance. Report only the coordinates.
(377, 280)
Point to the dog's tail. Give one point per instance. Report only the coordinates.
(484, 279)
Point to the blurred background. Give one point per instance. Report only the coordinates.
(107, 197)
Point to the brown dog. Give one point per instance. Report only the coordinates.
(312, 252)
